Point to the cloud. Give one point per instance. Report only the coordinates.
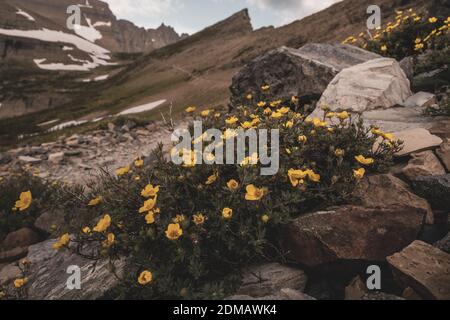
(149, 8)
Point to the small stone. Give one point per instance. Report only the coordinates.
(56, 158)
(356, 289)
(420, 100)
(30, 160)
(9, 273)
(410, 294)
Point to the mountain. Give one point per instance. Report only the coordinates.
(194, 70)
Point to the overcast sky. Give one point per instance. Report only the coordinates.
(194, 15)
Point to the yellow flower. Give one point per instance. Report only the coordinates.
(149, 205)
(377, 132)
(86, 230)
(145, 278)
(296, 177)
(419, 46)
(265, 218)
(103, 224)
(150, 218)
(418, 40)
(190, 109)
(227, 213)
(319, 123)
(388, 136)
(96, 201)
(62, 242)
(249, 97)
(339, 153)
(261, 104)
(302, 139)
(330, 114)
(276, 115)
(110, 239)
(265, 87)
(288, 151)
(252, 160)
(247, 125)
(284, 110)
(24, 202)
(289, 124)
(384, 48)
(232, 120)
(432, 20)
(122, 171)
(343, 115)
(19, 283)
(212, 179)
(150, 191)
(366, 161)
(294, 99)
(267, 111)
(138, 163)
(205, 113)
(189, 158)
(359, 174)
(254, 193)
(229, 134)
(199, 219)
(174, 231)
(179, 218)
(314, 177)
(233, 185)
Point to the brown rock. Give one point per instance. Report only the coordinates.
(9, 273)
(351, 233)
(269, 278)
(13, 255)
(21, 238)
(410, 294)
(423, 268)
(423, 164)
(283, 294)
(356, 289)
(416, 140)
(385, 190)
(444, 154)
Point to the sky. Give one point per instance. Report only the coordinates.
(190, 16)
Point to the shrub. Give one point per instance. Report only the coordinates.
(410, 34)
(187, 230)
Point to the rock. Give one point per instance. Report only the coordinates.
(112, 127)
(48, 275)
(375, 84)
(269, 278)
(30, 160)
(56, 158)
(381, 296)
(407, 65)
(283, 294)
(351, 233)
(423, 268)
(444, 244)
(72, 153)
(444, 154)
(423, 164)
(416, 140)
(356, 289)
(436, 189)
(420, 100)
(5, 158)
(21, 238)
(50, 221)
(441, 129)
(410, 294)
(385, 190)
(13, 255)
(9, 273)
(300, 72)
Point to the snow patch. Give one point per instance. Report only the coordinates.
(67, 125)
(66, 48)
(102, 24)
(22, 13)
(43, 124)
(86, 5)
(142, 108)
(101, 78)
(88, 32)
(98, 54)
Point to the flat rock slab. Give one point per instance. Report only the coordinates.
(424, 163)
(444, 154)
(436, 189)
(351, 233)
(416, 140)
(424, 268)
(420, 99)
(268, 279)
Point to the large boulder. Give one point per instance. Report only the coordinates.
(375, 84)
(387, 190)
(21, 238)
(351, 233)
(48, 274)
(423, 268)
(436, 189)
(268, 279)
(300, 72)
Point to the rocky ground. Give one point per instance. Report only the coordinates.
(398, 221)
